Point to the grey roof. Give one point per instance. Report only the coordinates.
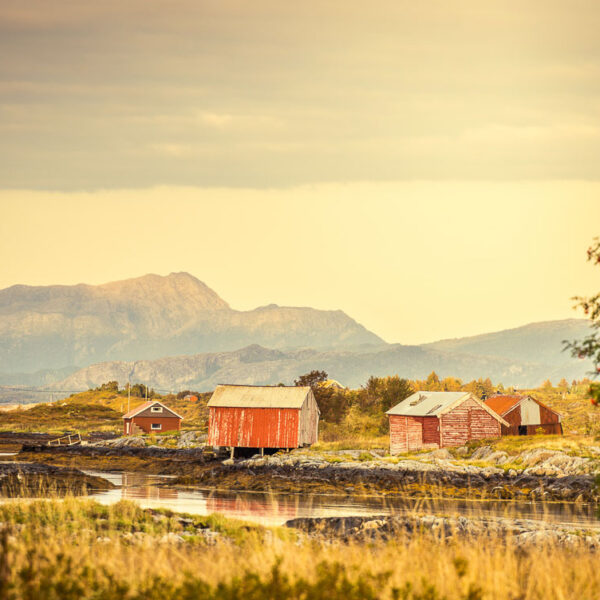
(422, 404)
(246, 396)
(435, 404)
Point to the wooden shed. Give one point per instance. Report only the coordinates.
(525, 415)
(245, 416)
(438, 419)
(151, 417)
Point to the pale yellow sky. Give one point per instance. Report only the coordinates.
(431, 168)
(267, 93)
(412, 261)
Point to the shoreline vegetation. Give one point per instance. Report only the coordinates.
(554, 468)
(426, 552)
(121, 551)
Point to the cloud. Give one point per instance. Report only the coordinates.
(273, 93)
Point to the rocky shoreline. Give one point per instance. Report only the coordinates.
(429, 476)
(33, 480)
(522, 532)
(536, 475)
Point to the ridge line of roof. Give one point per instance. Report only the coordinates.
(262, 386)
(147, 404)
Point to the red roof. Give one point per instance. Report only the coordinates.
(502, 404)
(144, 405)
(137, 409)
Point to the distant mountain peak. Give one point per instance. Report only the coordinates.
(49, 327)
(168, 290)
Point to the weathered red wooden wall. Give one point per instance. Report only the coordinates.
(514, 418)
(253, 427)
(550, 422)
(467, 421)
(547, 416)
(145, 423)
(413, 433)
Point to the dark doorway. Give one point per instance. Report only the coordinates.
(522, 429)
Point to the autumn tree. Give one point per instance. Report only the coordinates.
(451, 384)
(482, 388)
(432, 382)
(379, 394)
(333, 403)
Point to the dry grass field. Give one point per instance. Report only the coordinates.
(78, 549)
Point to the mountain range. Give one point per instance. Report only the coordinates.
(174, 332)
(53, 327)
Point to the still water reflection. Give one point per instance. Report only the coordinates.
(154, 491)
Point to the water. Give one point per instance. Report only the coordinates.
(153, 491)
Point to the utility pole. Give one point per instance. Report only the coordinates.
(128, 394)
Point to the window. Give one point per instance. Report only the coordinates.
(156, 426)
(418, 400)
(156, 409)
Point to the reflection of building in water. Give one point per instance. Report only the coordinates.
(136, 486)
(260, 505)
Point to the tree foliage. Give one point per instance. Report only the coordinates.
(312, 379)
(589, 346)
(139, 390)
(109, 386)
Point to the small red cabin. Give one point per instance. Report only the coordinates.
(438, 419)
(525, 415)
(151, 417)
(246, 416)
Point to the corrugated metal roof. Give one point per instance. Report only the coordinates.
(422, 404)
(502, 404)
(242, 396)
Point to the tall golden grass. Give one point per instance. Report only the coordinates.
(51, 550)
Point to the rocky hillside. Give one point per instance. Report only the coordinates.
(258, 365)
(536, 342)
(52, 327)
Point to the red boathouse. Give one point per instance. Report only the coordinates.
(246, 416)
(438, 419)
(525, 415)
(151, 417)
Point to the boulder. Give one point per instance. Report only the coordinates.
(498, 457)
(481, 453)
(192, 439)
(441, 453)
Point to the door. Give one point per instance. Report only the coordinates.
(414, 434)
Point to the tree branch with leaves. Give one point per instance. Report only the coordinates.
(589, 346)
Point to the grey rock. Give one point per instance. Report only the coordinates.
(481, 453)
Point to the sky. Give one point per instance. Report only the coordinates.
(430, 168)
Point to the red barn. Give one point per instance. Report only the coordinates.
(525, 415)
(245, 416)
(437, 419)
(151, 417)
